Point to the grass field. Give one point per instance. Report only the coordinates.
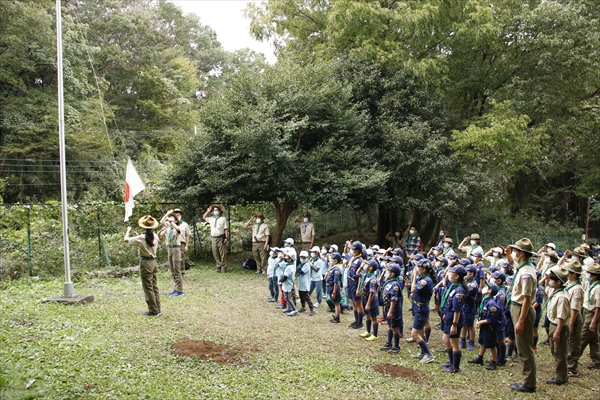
(108, 350)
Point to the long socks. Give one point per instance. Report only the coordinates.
(396, 340)
(427, 334)
(375, 328)
(511, 347)
(501, 359)
(424, 347)
(390, 336)
(369, 325)
(456, 361)
(356, 317)
(361, 316)
(450, 356)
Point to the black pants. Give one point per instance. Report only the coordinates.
(305, 298)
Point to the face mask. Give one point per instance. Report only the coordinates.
(438, 264)
(436, 252)
(303, 259)
(473, 242)
(216, 213)
(412, 231)
(272, 254)
(441, 236)
(485, 291)
(258, 220)
(314, 255)
(588, 276)
(496, 255)
(446, 245)
(383, 263)
(305, 220)
(552, 284)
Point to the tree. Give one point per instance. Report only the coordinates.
(287, 134)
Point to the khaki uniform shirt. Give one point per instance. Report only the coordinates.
(217, 225)
(307, 231)
(260, 232)
(185, 232)
(575, 292)
(591, 299)
(525, 283)
(559, 307)
(143, 249)
(173, 237)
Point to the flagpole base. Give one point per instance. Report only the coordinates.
(69, 290)
(75, 299)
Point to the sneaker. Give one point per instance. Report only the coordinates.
(264, 272)
(365, 335)
(476, 360)
(394, 350)
(427, 358)
(519, 387)
(574, 374)
(312, 312)
(371, 338)
(515, 358)
(279, 305)
(171, 293)
(302, 309)
(471, 347)
(152, 314)
(292, 313)
(175, 294)
(359, 326)
(438, 326)
(594, 365)
(545, 341)
(418, 356)
(286, 310)
(352, 325)
(554, 381)
(334, 320)
(446, 365)
(452, 370)
(491, 366)
(386, 347)
(410, 340)
(463, 343)
(317, 305)
(270, 299)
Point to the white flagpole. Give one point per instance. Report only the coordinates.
(69, 291)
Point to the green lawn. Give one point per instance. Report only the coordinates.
(108, 350)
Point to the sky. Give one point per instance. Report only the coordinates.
(226, 18)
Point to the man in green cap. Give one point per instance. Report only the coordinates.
(575, 292)
(521, 295)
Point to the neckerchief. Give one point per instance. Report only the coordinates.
(509, 296)
(304, 227)
(447, 293)
(257, 228)
(480, 312)
(572, 285)
(590, 291)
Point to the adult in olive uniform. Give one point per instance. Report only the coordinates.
(260, 241)
(147, 245)
(522, 293)
(575, 292)
(559, 314)
(219, 234)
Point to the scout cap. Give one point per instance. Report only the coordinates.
(474, 236)
(443, 259)
(395, 269)
(373, 263)
(464, 261)
(336, 256)
(493, 288)
(356, 246)
(523, 245)
(477, 253)
(499, 275)
(471, 268)
(553, 254)
(304, 253)
(289, 240)
(447, 240)
(397, 251)
(573, 266)
(452, 256)
(147, 222)
(580, 251)
(458, 270)
(315, 249)
(561, 273)
(397, 260)
(593, 268)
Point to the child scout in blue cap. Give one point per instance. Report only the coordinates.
(452, 317)
(369, 288)
(392, 311)
(488, 315)
(333, 280)
(421, 292)
(499, 278)
(470, 305)
(559, 314)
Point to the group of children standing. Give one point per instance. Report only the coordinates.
(506, 296)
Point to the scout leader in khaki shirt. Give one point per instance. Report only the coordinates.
(307, 231)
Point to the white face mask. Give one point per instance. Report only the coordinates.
(436, 252)
(412, 231)
(314, 255)
(216, 213)
(258, 220)
(303, 259)
(552, 284)
(305, 220)
(496, 255)
(485, 290)
(446, 245)
(438, 264)
(473, 242)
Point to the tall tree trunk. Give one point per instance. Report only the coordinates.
(384, 225)
(430, 233)
(369, 222)
(282, 213)
(358, 224)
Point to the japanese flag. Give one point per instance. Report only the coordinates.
(133, 185)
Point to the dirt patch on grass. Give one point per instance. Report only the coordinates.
(203, 350)
(397, 371)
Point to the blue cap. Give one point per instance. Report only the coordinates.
(397, 251)
(373, 263)
(424, 263)
(458, 270)
(477, 253)
(356, 246)
(418, 257)
(337, 256)
(471, 268)
(452, 256)
(493, 288)
(464, 261)
(398, 260)
(395, 268)
(499, 275)
(438, 248)
(443, 260)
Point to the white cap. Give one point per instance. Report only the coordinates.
(497, 250)
(551, 245)
(315, 249)
(304, 253)
(381, 251)
(375, 247)
(334, 247)
(289, 240)
(369, 252)
(287, 251)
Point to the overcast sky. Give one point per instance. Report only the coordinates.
(226, 18)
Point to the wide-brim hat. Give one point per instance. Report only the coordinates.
(574, 266)
(580, 251)
(216, 206)
(447, 240)
(147, 222)
(552, 254)
(178, 211)
(561, 273)
(259, 215)
(593, 268)
(474, 236)
(525, 245)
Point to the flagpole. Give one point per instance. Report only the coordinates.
(69, 291)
